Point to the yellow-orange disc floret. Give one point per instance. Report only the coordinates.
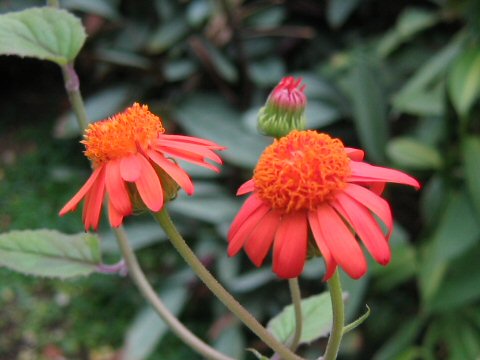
(301, 171)
(121, 135)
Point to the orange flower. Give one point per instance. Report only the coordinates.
(308, 180)
(128, 152)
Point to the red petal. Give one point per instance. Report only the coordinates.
(194, 149)
(116, 189)
(366, 227)
(115, 217)
(73, 203)
(375, 203)
(238, 239)
(363, 172)
(175, 171)
(249, 206)
(290, 246)
(341, 243)
(355, 154)
(93, 202)
(130, 168)
(246, 187)
(330, 264)
(261, 239)
(192, 140)
(148, 185)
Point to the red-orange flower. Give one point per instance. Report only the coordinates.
(128, 152)
(308, 180)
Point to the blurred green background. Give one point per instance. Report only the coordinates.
(400, 79)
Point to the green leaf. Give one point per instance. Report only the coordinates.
(338, 11)
(168, 35)
(412, 154)
(471, 156)
(50, 253)
(316, 315)
(43, 33)
(104, 8)
(369, 108)
(231, 342)
(357, 322)
(464, 80)
(148, 328)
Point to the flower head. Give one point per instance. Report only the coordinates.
(308, 180)
(129, 156)
(284, 109)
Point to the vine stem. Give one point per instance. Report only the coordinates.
(147, 291)
(72, 86)
(223, 295)
(338, 310)
(297, 306)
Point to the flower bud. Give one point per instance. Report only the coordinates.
(284, 109)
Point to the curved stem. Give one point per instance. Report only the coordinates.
(297, 306)
(338, 310)
(223, 295)
(145, 288)
(72, 86)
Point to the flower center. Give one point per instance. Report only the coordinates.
(121, 135)
(301, 171)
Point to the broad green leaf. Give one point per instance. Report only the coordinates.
(471, 162)
(320, 114)
(338, 11)
(231, 342)
(412, 154)
(179, 69)
(316, 315)
(369, 108)
(209, 117)
(50, 253)
(432, 199)
(409, 23)
(148, 328)
(168, 35)
(43, 33)
(464, 80)
(404, 337)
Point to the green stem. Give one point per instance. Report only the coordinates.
(72, 85)
(223, 295)
(338, 310)
(297, 306)
(147, 291)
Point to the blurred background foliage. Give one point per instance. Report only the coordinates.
(399, 79)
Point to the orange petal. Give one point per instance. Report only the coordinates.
(236, 242)
(148, 185)
(188, 156)
(92, 207)
(330, 264)
(366, 227)
(73, 203)
(194, 149)
(130, 168)
(261, 238)
(246, 187)
(363, 172)
(115, 217)
(341, 243)
(290, 245)
(172, 169)
(248, 207)
(192, 140)
(116, 189)
(375, 203)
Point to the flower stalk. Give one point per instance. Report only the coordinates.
(338, 310)
(223, 295)
(297, 307)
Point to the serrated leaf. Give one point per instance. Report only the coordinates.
(50, 253)
(42, 33)
(471, 156)
(413, 154)
(464, 80)
(316, 315)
